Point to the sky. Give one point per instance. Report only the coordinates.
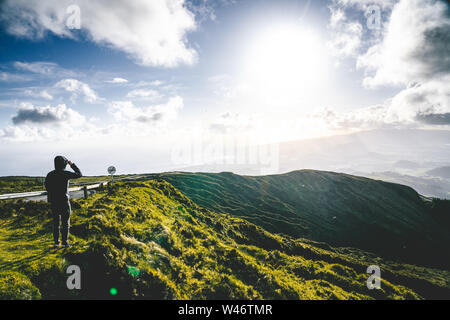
(153, 86)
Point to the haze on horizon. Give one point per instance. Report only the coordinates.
(251, 86)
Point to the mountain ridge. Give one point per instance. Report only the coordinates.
(339, 209)
(147, 240)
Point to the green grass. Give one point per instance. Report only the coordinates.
(15, 184)
(148, 241)
(339, 209)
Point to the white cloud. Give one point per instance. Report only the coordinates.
(360, 119)
(41, 94)
(151, 95)
(411, 50)
(416, 46)
(364, 4)
(154, 83)
(346, 35)
(127, 112)
(349, 25)
(117, 80)
(30, 114)
(25, 133)
(44, 68)
(36, 67)
(151, 32)
(423, 103)
(77, 87)
(206, 9)
(32, 123)
(12, 77)
(44, 94)
(415, 52)
(418, 105)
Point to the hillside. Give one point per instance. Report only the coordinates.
(424, 185)
(147, 240)
(342, 210)
(14, 184)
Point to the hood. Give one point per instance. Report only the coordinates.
(60, 163)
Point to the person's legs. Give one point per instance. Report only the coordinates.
(56, 219)
(65, 222)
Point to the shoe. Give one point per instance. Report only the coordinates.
(66, 245)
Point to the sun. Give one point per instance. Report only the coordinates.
(285, 62)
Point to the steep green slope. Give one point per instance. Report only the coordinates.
(147, 240)
(339, 209)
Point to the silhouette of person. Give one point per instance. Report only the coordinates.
(56, 184)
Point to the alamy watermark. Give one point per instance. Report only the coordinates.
(73, 20)
(241, 153)
(373, 17)
(374, 281)
(74, 280)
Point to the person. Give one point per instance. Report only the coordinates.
(56, 184)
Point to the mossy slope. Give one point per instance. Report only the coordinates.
(148, 240)
(389, 219)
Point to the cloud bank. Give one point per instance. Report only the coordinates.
(32, 123)
(153, 33)
(416, 45)
(28, 113)
(126, 111)
(77, 87)
(411, 50)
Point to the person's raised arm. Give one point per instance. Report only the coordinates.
(76, 174)
(46, 183)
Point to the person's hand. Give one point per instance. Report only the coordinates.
(69, 162)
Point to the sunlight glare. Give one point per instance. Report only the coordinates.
(285, 62)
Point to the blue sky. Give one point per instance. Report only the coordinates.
(88, 79)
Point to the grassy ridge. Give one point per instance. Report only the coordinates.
(148, 240)
(15, 184)
(339, 209)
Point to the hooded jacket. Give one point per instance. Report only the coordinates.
(57, 181)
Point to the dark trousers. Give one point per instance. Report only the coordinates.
(61, 215)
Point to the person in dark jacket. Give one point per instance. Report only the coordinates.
(56, 184)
